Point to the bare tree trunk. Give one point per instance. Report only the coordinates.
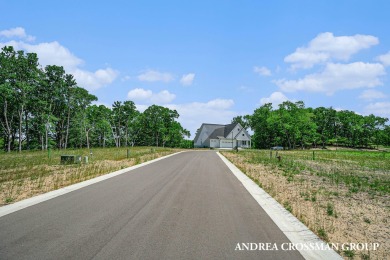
(87, 135)
(67, 130)
(46, 135)
(9, 144)
(20, 129)
(113, 135)
(27, 135)
(119, 135)
(7, 126)
(127, 136)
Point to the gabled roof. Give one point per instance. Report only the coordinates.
(229, 128)
(207, 127)
(215, 131)
(222, 131)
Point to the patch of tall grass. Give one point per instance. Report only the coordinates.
(28, 173)
(359, 170)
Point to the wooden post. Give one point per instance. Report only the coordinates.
(314, 156)
(128, 153)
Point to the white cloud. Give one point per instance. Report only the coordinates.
(17, 32)
(216, 111)
(187, 79)
(372, 94)
(219, 103)
(163, 97)
(139, 94)
(384, 59)
(263, 71)
(148, 96)
(275, 98)
(49, 53)
(153, 76)
(336, 77)
(327, 47)
(379, 109)
(94, 80)
(53, 53)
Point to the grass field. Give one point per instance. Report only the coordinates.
(358, 170)
(343, 196)
(25, 174)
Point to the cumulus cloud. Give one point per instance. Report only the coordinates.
(94, 80)
(263, 71)
(187, 79)
(336, 77)
(384, 59)
(17, 32)
(327, 47)
(163, 97)
(216, 111)
(49, 53)
(372, 94)
(153, 76)
(53, 53)
(275, 98)
(379, 109)
(140, 94)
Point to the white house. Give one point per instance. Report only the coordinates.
(222, 136)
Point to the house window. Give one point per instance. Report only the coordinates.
(243, 142)
(243, 135)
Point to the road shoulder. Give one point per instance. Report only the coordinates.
(8, 209)
(294, 230)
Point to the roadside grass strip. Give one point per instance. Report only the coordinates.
(294, 230)
(8, 209)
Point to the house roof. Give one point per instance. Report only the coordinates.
(217, 133)
(222, 132)
(228, 129)
(208, 128)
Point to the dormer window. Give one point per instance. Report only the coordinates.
(238, 129)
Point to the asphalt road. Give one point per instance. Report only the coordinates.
(188, 206)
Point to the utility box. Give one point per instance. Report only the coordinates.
(70, 159)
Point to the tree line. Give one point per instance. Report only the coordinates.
(293, 126)
(43, 108)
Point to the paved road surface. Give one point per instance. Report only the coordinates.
(188, 206)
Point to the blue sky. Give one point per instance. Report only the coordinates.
(213, 60)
